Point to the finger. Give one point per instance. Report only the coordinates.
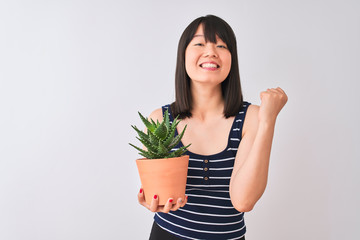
(177, 205)
(184, 202)
(168, 206)
(262, 94)
(274, 90)
(278, 88)
(284, 94)
(279, 91)
(269, 90)
(154, 203)
(141, 198)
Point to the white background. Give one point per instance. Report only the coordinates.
(74, 74)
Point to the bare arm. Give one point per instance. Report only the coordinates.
(249, 178)
(250, 172)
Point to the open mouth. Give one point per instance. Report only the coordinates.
(209, 65)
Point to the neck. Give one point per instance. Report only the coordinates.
(208, 101)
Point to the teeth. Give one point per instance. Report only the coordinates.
(209, 65)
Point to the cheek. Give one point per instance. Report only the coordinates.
(227, 62)
(190, 61)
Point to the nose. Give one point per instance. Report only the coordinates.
(210, 50)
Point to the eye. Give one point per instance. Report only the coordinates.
(222, 46)
(198, 44)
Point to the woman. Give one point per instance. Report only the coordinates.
(231, 139)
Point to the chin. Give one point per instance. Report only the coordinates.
(208, 81)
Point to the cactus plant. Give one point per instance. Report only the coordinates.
(160, 138)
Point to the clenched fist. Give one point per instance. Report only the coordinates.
(272, 101)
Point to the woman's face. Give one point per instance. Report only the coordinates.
(207, 62)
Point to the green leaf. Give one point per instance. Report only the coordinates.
(177, 139)
(141, 133)
(161, 131)
(162, 149)
(153, 140)
(152, 121)
(139, 149)
(147, 144)
(148, 125)
(146, 155)
(167, 120)
(150, 155)
(181, 150)
(171, 133)
(171, 155)
(174, 123)
(169, 138)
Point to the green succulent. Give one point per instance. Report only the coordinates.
(160, 138)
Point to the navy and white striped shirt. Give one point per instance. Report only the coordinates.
(209, 213)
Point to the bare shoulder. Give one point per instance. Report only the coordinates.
(251, 119)
(156, 115)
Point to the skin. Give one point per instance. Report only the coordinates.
(250, 173)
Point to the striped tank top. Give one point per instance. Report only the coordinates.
(208, 213)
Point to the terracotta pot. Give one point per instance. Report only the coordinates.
(163, 177)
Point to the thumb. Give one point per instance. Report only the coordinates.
(261, 95)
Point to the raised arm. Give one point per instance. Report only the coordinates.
(250, 173)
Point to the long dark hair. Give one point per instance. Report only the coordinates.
(231, 88)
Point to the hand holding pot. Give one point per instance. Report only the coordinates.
(170, 205)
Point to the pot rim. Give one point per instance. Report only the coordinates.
(159, 159)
